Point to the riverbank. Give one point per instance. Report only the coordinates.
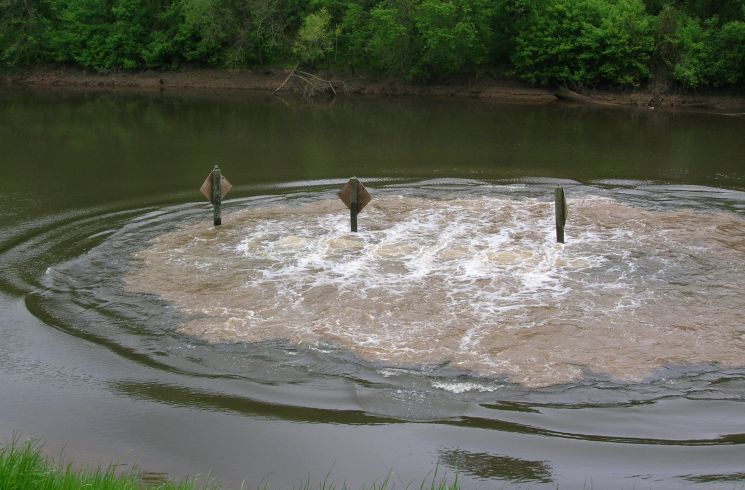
(267, 80)
(23, 466)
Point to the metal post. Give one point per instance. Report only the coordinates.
(353, 203)
(560, 206)
(217, 195)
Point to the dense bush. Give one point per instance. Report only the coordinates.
(695, 53)
(684, 43)
(25, 28)
(231, 33)
(390, 46)
(314, 39)
(103, 34)
(585, 42)
(729, 42)
(455, 36)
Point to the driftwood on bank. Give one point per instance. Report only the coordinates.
(563, 93)
(312, 84)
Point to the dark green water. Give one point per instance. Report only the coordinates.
(89, 179)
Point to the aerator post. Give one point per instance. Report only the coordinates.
(356, 197)
(214, 188)
(353, 202)
(560, 206)
(217, 195)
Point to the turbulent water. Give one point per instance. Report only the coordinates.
(468, 276)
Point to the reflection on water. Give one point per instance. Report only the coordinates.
(190, 397)
(731, 477)
(489, 466)
(472, 282)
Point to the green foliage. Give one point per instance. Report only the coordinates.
(24, 32)
(584, 42)
(674, 43)
(507, 17)
(691, 68)
(106, 35)
(724, 10)
(202, 30)
(454, 36)
(699, 54)
(666, 51)
(165, 48)
(729, 42)
(423, 39)
(389, 47)
(626, 43)
(352, 37)
(232, 33)
(128, 32)
(314, 39)
(83, 39)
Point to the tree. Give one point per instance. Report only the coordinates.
(314, 39)
(81, 36)
(24, 31)
(696, 53)
(232, 32)
(729, 67)
(389, 47)
(454, 36)
(584, 42)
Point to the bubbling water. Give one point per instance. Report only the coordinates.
(476, 282)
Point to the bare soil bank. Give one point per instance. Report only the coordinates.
(268, 80)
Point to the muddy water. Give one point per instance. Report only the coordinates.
(451, 331)
(472, 282)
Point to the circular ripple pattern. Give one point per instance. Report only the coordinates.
(453, 291)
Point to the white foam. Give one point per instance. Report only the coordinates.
(465, 386)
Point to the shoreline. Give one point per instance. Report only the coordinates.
(267, 80)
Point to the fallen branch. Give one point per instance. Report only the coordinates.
(286, 79)
(312, 83)
(329, 82)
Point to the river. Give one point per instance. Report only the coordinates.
(450, 334)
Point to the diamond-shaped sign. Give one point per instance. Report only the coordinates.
(363, 197)
(206, 188)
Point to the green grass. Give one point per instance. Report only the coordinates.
(433, 482)
(24, 467)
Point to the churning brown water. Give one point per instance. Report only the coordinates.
(476, 282)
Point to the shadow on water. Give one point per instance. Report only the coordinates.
(196, 398)
(492, 467)
(728, 478)
(191, 398)
(525, 429)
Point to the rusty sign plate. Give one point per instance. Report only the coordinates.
(363, 197)
(206, 188)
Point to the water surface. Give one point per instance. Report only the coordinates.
(450, 331)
